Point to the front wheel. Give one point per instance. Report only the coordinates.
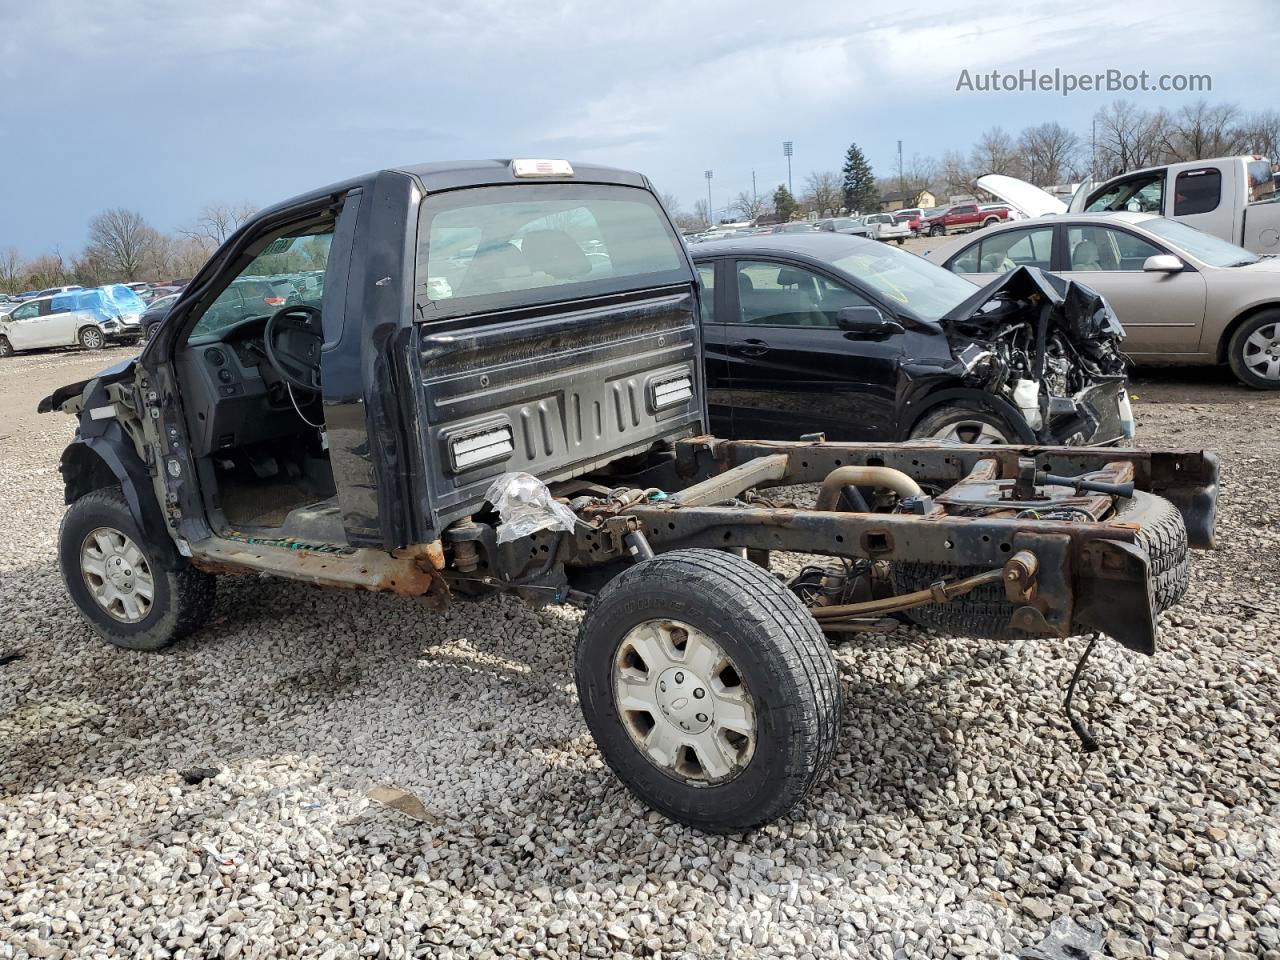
(91, 338)
(964, 423)
(937, 231)
(1254, 351)
(709, 689)
(121, 585)
(6, 348)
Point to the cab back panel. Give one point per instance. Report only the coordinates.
(557, 394)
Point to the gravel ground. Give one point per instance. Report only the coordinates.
(960, 818)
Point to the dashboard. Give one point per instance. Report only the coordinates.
(231, 395)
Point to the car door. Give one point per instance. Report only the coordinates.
(719, 395)
(1162, 313)
(63, 322)
(24, 326)
(791, 369)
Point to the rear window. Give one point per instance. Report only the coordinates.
(491, 247)
(125, 299)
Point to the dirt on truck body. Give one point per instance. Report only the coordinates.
(498, 386)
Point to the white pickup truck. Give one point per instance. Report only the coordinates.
(1230, 197)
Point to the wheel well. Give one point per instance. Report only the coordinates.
(993, 404)
(1236, 323)
(83, 471)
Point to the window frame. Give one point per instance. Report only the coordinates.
(1200, 172)
(1026, 229)
(730, 312)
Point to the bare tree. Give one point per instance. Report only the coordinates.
(994, 153)
(1048, 153)
(956, 173)
(121, 241)
(218, 221)
(824, 192)
(748, 207)
(12, 269)
(1199, 131)
(1260, 133)
(702, 213)
(1127, 138)
(46, 270)
(916, 178)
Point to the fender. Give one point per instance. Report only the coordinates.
(911, 412)
(91, 463)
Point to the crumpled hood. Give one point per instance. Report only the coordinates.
(1079, 311)
(55, 400)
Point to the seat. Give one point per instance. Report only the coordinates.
(996, 263)
(1084, 256)
(490, 267)
(554, 253)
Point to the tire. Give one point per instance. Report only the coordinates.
(91, 338)
(181, 598)
(989, 221)
(901, 241)
(966, 423)
(763, 637)
(151, 332)
(985, 612)
(1254, 351)
(937, 231)
(6, 348)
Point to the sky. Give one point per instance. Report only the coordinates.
(164, 107)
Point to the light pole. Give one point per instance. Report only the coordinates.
(787, 150)
(710, 218)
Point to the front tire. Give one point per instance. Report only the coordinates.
(964, 423)
(1254, 351)
(937, 231)
(123, 587)
(91, 338)
(6, 348)
(709, 689)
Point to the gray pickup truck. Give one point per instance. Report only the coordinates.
(498, 386)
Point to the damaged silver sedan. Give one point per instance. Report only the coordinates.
(840, 336)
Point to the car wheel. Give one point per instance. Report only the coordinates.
(901, 241)
(131, 595)
(709, 689)
(985, 612)
(990, 220)
(6, 348)
(151, 332)
(1254, 351)
(937, 231)
(91, 338)
(964, 423)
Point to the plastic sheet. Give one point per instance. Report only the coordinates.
(526, 506)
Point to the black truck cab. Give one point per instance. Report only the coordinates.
(477, 377)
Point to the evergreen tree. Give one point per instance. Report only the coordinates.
(784, 204)
(859, 186)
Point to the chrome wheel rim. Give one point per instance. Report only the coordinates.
(91, 339)
(970, 431)
(1261, 352)
(684, 703)
(117, 574)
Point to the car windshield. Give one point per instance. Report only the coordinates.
(1205, 247)
(926, 290)
(490, 247)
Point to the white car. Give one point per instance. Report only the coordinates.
(89, 318)
(884, 226)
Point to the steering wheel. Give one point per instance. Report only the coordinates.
(292, 340)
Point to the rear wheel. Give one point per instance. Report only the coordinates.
(709, 689)
(1254, 351)
(964, 423)
(985, 612)
(990, 220)
(124, 588)
(6, 348)
(91, 338)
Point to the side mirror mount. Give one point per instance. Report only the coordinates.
(1163, 263)
(867, 320)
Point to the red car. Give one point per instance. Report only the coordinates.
(961, 217)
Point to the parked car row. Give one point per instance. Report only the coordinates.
(876, 226)
(74, 316)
